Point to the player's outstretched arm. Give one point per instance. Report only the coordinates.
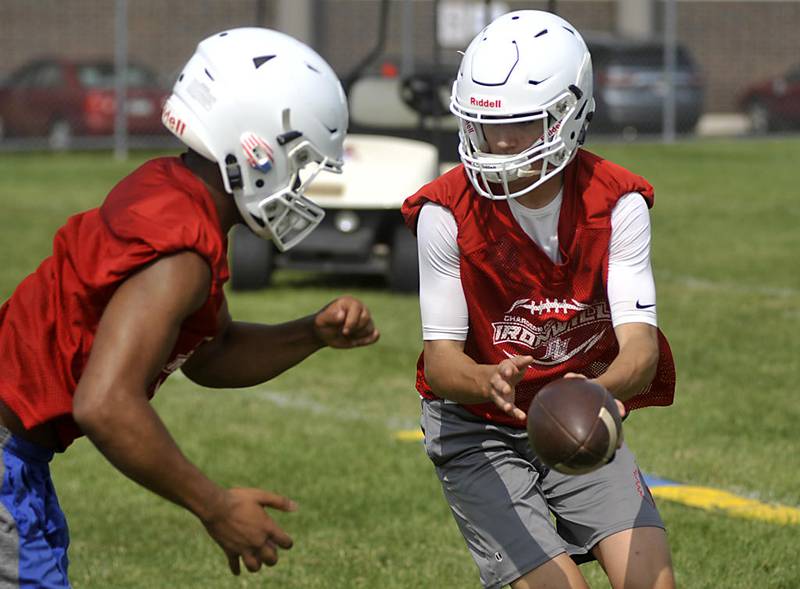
(455, 376)
(246, 354)
(138, 330)
(635, 365)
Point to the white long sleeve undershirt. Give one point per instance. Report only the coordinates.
(630, 278)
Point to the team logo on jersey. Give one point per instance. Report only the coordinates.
(552, 331)
(259, 153)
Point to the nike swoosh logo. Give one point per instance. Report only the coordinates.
(641, 306)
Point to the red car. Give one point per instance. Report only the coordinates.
(60, 99)
(773, 104)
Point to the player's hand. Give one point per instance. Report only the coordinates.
(244, 531)
(620, 405)
(345, 323)
(503, 382)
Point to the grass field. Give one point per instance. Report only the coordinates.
(725, 249)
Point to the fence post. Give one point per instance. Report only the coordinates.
(670, 63)
(120, 79)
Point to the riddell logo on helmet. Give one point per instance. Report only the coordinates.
(486, 102)
(172, 122)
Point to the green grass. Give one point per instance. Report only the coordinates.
(371, 514)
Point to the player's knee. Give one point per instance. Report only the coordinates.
(656, 578)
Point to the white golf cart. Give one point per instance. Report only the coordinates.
(363, 231)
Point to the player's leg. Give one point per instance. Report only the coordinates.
(558, 572)
(607, 507)
(637, 558)
(495, 498)
(33, 530)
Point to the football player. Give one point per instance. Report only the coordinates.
(534, 264)
(134, 290)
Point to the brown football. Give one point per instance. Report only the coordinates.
(574, 425)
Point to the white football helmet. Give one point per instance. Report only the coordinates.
(263, 106)
(525, 66)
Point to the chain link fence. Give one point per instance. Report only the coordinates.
(735, 68)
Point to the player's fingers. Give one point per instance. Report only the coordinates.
(233, 562)
(364, 319)
(332, 315)
(499, 385)
(366, 340)
(504, 405)
(268, 554)
(280, 538)
(269, 499)
(575, 375)
(362, 328)
(521, 362)
(620, 407)
(252, 561)
(508, 407)
(352, 314)
(506, 369)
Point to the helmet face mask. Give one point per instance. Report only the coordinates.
(263, 106)
(525, 67)
(287, 216)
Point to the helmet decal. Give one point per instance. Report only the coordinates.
(172, 122)
(486, 102)
(258, 152)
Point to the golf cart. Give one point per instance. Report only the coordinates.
(363, 231)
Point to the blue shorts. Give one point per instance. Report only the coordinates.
(33, 530)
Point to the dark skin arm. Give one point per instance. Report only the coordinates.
(236, 358)
(138, 330)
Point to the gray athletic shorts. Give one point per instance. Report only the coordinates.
(514, 513)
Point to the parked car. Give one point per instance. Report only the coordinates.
(773, 104)
(363, 232)
(629, 85)
(60, 99)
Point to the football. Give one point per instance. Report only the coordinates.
(574, 425)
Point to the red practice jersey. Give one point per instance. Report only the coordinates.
(48, 325)
(521, 302)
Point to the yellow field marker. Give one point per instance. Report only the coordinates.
(714, 499)
(409, 435)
